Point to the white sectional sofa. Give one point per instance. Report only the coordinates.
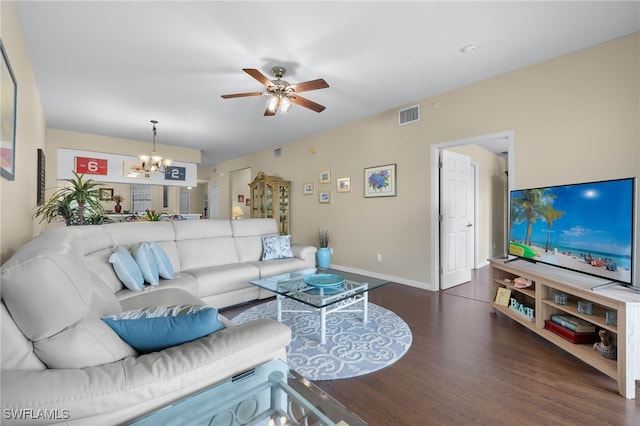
(62, 364)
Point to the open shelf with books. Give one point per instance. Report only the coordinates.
(561, 306)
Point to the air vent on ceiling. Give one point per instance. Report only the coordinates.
(409, 115)
(277, 152)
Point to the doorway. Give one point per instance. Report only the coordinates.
(499, 143)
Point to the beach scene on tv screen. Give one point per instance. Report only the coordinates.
(585, 227)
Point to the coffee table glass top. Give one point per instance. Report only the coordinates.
(319, 287)
(270, 395)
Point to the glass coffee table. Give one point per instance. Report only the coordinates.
(270, 395)
(323, 290)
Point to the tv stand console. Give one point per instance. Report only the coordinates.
(548, 280)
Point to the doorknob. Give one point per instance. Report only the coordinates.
(469, 225)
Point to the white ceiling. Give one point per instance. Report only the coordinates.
(109, 67)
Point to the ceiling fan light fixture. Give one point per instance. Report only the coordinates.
(285, 105)
(273, 104)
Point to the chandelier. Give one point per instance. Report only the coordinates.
(154, 163)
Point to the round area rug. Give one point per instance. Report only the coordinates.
(352, 348)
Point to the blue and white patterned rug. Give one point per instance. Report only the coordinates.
(352, 348)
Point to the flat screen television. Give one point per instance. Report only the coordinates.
(584, 227)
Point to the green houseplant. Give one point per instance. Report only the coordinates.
(77, 204)
(323, 255)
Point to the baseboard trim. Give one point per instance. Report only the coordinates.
(399, 280)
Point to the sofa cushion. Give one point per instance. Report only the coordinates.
(147, 262)
(17, 350)
(127, 268)
(165, 268)
(248, 233)
(276, 247)
(88, 343)
(44, 287)
(156, 328)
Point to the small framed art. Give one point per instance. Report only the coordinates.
(343, 184)
(241, 198)
(380, 181)
(324, 176)
(307, 188)
(324, 197)
(106, 194)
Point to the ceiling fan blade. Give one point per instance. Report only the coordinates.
(310, 85)
(241, 95)
(306, 103)
(263, 79)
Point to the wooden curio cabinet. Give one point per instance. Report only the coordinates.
(270, 197)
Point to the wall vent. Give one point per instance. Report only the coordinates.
(409, 115)
(277, 152)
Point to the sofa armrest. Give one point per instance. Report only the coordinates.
(304, 252)
(120, 391)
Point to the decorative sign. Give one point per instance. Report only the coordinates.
(521, 309)
(175, 173)
(91, 166)
(133, 169)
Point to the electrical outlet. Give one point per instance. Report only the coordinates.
(379, 257)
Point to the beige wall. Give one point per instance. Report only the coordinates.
(574, 118)
(18, 197)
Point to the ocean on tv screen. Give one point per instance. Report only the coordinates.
(586, 227)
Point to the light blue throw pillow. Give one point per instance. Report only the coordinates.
(147, 263)
(165, 268)
(276, 247)
(156, 328)
(126, 268)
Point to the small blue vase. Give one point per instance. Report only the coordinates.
(323, 256)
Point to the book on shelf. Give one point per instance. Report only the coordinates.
(574, 323)
(502, 296)
(570, 335)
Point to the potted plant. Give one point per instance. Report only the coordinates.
(118, 199)
(323, 255)
(75, 203)
(152, 216)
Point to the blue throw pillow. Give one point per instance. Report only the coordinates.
(147, 263)
(276, 247)
(153, 329)
(126, 268)
(165, 268)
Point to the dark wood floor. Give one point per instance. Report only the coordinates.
(467, 366)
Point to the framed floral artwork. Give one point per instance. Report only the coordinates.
(380, 181)
(343, 184)
(324, 176)
(324, 197)
(307, 188)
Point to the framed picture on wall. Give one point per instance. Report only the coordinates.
(324, 176)
(106, 194)
(241, 198)
(380, 181)
(324, 197)
(8, 89)
(307, 188)
(343, 184)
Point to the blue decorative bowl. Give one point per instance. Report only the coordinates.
(324, 280)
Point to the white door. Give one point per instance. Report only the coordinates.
(456, 224)
(185, 202)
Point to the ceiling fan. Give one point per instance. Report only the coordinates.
(282, 93)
